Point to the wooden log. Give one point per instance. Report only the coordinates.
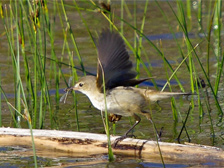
(85, 144)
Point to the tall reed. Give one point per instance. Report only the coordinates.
(19, 87)
(0, 98)
(217, 26)
(204, 72)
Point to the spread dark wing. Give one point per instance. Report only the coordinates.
(114, 60)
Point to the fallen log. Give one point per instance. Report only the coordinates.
(86, 144)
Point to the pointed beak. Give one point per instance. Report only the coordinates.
(75, 87)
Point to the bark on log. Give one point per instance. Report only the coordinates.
(84, 144)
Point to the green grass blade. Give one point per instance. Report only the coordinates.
(0, 98)
(72, 37)
(110, 152)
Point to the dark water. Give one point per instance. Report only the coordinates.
(11, 157)
(156, 29)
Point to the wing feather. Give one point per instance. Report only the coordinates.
(114, 59)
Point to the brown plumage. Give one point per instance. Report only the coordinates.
(122, 98)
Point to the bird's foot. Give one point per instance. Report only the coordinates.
(121, 139)
(160, 134)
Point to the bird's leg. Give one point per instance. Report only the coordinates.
(148, 116)
(137, 121)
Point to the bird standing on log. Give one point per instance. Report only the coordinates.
(122, 98)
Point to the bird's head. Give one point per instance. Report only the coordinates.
(86, 85)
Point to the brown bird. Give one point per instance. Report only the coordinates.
(121, 97)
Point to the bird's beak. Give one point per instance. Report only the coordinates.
(74, 87)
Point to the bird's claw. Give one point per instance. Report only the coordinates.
(118, 140)
(121, 139)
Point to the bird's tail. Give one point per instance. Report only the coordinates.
(157, 95)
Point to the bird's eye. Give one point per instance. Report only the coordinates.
(80, 84)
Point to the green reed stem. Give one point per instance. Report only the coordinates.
(110, 152)
(139, 47)
(54, 64)
(107, 129)
(39, 61)
(27, 117)
(137, 57)
(156, 137)
(208, 44)
(122, 16)
(41, 72)
(218, 42)
(16, 64)
(85, 23)
(171, 30)
(35, 81)
(0, 98)
(71, 62)
(26, 63)
(173, 102)
(189, 18)
(219, 74)
(200, 107)
(178, 67)
(200, 64)
(200, 15)
(184, 124)
(207, 102)
(42, 82)
(183, 24)
(5, 97)
(46, 88)
(33, 41)
(33, 144)
(72, 37)
(210, 86)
